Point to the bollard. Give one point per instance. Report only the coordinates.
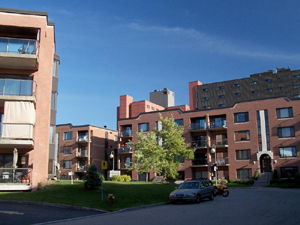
(111, 199)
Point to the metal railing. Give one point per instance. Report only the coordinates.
(125, 165)
(16, 87)
(199, 144)
(221, 161)
(11, 175)
(218, 124)
(18, 46)
(82, 153)
(198, 126)
(81, 169)
(125, 133)
(84, 138)
(125, 150)
(222, 142)
(199, 162)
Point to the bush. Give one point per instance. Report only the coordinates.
(92, 179)
(121, 178)
(297, 179)
(275, 178)
(256, 175)
(232, 180)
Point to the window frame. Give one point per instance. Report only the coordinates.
(241, 113)
(290, 113)
(65, 135)
(280, 134)
(242, 131)
(139, 128)
(69, 164)
(293, 152)
(239, 155)
(238, 171)
(67, 150)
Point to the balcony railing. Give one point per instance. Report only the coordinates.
(125, 133)
(198, 126)
(125, 165)
(81, 169)
(199, 144)
(82, 154)
(15, 87)
(125, 150)
(19, 175)
(18, 46)
(199, 162)
(218, 124)
(222, 142)
(222, 161)
(84, 138)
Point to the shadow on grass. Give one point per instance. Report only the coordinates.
(131, 194)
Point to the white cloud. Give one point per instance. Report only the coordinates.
(203, 41)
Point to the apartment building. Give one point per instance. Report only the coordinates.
(80, 146)
(253, 123)
(28, 93)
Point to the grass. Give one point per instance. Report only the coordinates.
(127, 195)
(284, 185)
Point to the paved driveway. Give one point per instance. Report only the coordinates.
(243, 206)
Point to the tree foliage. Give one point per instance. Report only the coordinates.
(161, 151)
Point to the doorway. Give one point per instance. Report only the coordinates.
(265, 164)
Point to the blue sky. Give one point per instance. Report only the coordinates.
(112, 48)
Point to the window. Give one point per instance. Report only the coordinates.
(206, 107)
(15, 87)
(268, 80)
(52, 134)
(297, 96)
(152, 108)
(221, 96)
(243, 174)
(115, 138)
(143, 127)
(237, 94)
(241, 117)
(221, 87)
(68, 135)
(206, 98)
(284, 132)
(242, 135)
(281, 88)
(243, 154)
(67, 164)
(296, 76)
(286, 152)
(148, 106)
(67, 150)
(254, 92)
(205, 90)
(254, 82)
(236, 85)
(55, 68)
(222, 105)
(53, 100)
(284, 113)
(179, 122)
(297, 86)
(288, 172)
(269, 90)
(280, 78)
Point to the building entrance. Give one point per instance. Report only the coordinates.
(265, 164)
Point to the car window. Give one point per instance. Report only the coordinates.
(189, 185)
(206, 184)
(202, 184)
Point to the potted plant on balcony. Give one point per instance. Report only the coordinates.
(24, 179)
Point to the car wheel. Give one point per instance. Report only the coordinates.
(212, 196)
(225, 193)
(198, 199)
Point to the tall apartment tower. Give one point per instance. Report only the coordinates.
(28, 93)
(165, 97)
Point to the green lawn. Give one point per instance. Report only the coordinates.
(127, 195)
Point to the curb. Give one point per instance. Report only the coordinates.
(141, 207)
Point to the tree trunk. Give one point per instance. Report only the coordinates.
(147, 177)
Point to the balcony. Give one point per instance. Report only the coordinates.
(218, 125)
(81, 169)
(18, 53)
(125, 133)
(199, 162)
(15, 135)
(222, 161)
(199, 144)
(222, 143)
(196, 127)
(123, 150)
(82, 154)
(15, 179)
(125, 165)
(83, 139)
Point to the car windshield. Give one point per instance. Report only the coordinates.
(189, 185)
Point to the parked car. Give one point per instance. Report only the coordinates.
(193, 191)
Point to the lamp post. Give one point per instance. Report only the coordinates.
(214, 150)
(112, 156)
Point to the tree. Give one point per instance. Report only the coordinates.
(163, 158)
(92, 179)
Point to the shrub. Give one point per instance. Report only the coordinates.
(115, 178)
(127, 178)
(92, 180)
(256, 175)
(122, 178)
(297, 179)
(232, 180)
